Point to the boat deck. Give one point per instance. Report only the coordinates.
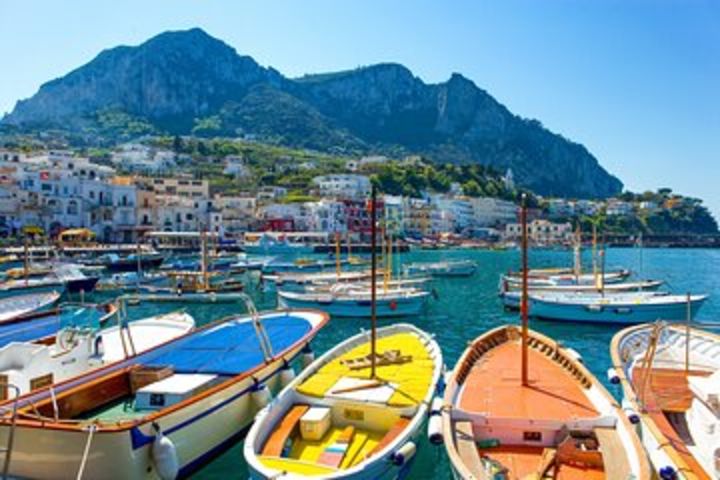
(524, 461)
(493, 387)
(666, 399)
(230, 348)
(407, 383)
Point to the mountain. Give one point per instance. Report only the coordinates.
(189, 82)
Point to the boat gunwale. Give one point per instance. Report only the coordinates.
(113, 368)
(452, 387)
(629, 394)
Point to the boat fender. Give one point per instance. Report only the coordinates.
(612, 376)
(436, 406)
(403, 454)
(99, 346)
(260, 395)
(574, 354)
(434, 430)
(287, 375)
(308, 356)
(164, 456)
(630, 412)
(668, 473)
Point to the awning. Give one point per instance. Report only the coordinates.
(76, 232)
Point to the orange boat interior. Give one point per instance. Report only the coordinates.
(490, 385)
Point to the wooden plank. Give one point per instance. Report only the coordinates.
(397, 428)
(283, 430)
(615, 461)
(467, 449)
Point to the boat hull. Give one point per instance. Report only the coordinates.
(401, 307)
(219, 420)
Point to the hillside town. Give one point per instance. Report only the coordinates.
(55, 190)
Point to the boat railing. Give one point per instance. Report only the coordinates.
(7, 450)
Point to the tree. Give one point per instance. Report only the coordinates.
(472, 188)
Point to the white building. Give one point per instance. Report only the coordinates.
(541, 232)
(135, 157)
(235, 166)
(488, 211)
(618, 207)
(343, 186)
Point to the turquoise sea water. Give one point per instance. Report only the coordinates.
(466, 307)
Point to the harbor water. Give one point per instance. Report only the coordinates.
(467, 307)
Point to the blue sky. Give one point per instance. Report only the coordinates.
(636, 81)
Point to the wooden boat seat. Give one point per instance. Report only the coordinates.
(667, 389)
(283, 430)
(614, 457)
(391, 434)
(467, 449)
(580, 449)
(388, 357)
(335, 453)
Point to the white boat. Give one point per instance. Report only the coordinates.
(163, 413)
(349, 301)
(18, 306)
(294, 281)
(75, 350)
(554, 279)
(533, 412)
(512, 284)
(457, 268)
(670, 378)
(338, 421)
(619, 307)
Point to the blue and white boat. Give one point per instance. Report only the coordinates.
(620, 308)
(165, 412)
(269, 245)
(355, 301)
(300, 266)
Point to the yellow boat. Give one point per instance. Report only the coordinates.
(338, 420)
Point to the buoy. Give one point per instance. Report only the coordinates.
(574, 354)
(287, 375)
(260, 395)
(630, 412)
(434, 430)
(164, 456)
(612, 376)
(668, 473)
(436, 406)
(403, 454)
(308, 356)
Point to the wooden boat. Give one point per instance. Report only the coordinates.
(458, 268)
(618, 307)
(12, 308)
(519, 406)
(336, 420)
(10, 288)
(162, 413)
(670, 378)
(78, 349)
(350, 301)
(561, 424)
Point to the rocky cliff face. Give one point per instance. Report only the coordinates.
(176, 78)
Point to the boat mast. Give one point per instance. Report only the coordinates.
(577, 253)
(373, 279)
(337, 255)
(524, 298)
(594, 251)
(203, 261)
(26, 259)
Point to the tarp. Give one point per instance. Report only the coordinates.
(230, 348)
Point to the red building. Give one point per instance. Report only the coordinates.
(279, 225)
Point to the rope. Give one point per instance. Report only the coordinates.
(86, 452)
